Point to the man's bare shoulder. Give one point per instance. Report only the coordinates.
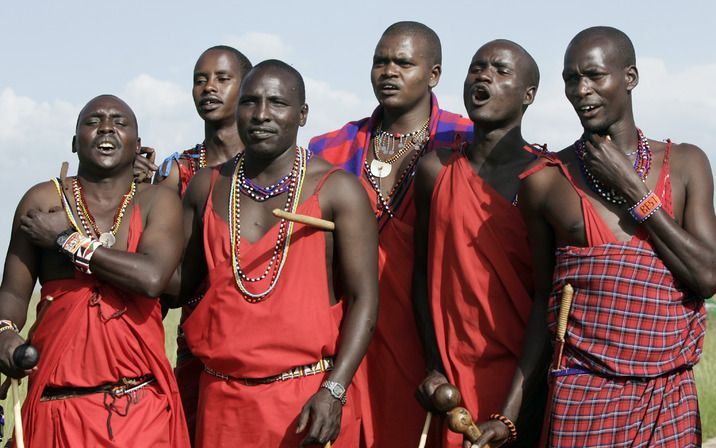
(688, 160)
(539, 176)
(150, 196)
(42, 196)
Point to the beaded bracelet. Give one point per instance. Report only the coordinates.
(511, 426)
(84, 254)
(647, 206)
(6, 325)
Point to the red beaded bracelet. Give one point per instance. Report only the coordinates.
(511, 426)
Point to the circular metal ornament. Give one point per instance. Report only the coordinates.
(380, 169)
(107, 239)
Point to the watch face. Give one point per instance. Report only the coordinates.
(339, 389)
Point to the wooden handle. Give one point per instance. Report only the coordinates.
(303, 219)
(19, 436)
(327, 445)
(565, 305)
(426, 429)
(63, 172)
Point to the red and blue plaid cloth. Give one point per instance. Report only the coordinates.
(636, 334)
(347, 146)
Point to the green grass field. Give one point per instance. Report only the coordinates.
(705, 372)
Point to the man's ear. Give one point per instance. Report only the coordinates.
(139, 146)
(631, 74)
(74, 144)
(435, 73)
(529, 97)
(303, 115)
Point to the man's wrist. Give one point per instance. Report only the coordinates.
(336, 389)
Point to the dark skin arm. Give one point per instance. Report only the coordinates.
(19, 277)
(192, 270)
(425, 177)
(687, 249)
(145, 272)
(535, 353)
(355, 239)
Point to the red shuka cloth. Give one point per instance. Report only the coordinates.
(633, 330)
(480, 287)
(94, 334)
(294, 326)
(394, 366)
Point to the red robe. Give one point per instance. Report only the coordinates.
(294, 326)
(394, 366)
(95, 334)
(633, 336)
(480, 287)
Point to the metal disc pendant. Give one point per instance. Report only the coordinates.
(380, 169)
(107, 239)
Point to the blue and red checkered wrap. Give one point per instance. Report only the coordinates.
(637, 334)
(347, 146)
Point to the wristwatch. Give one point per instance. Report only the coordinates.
(62, 237)
(337, 390)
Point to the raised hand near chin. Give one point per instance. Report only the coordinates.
(608, 163)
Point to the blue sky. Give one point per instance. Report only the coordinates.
(58, 55)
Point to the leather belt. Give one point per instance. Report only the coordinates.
(323, 365)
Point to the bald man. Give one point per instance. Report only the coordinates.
(472, 282)
(279, 345)
(103, 247)
(629, 223)
(384, 151)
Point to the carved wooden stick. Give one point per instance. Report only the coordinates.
(19, 436)
(63, 172)
(426, 428)
(303, 219)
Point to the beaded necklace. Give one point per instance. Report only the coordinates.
(285, 229)
(108, 239)
(385, 142)
(642, 164)
(260, 193)
(197, 161)
(387, 205)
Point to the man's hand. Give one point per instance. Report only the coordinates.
(325, 414)
(493, 432)
(9, 341)
(609, 164)
(144, 167)
(42, 228)
(426, 389)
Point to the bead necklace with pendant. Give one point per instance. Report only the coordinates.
(108, 239)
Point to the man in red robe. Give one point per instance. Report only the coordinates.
(103, 378)
(473, 275)
(629, 223)
(406, 125)
(279, 350)
(217, 77)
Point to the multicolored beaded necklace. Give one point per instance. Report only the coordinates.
(385, 143)
(642, 164)
(285, 229)
(108, 239)
(388, 205)
(260, 193)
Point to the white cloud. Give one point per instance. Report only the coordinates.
(330, 108)
(259, 46)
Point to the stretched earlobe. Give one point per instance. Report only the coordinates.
(74, 144)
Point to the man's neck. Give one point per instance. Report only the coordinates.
(622, 134)
(493, 147)
(267, 171)
(222, 143)
(405, 121)
(105, 186)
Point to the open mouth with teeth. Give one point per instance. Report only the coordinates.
(106, 147)
(587, 108)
